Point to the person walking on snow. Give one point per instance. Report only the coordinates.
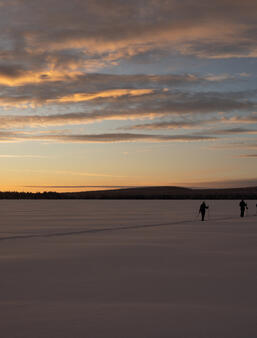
(202, 210)
(243, 205)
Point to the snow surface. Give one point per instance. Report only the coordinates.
(131, 269)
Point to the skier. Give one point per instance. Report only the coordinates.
(243, 205)
(202, 209)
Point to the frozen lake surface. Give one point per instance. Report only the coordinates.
(87, 268)
(40, 217)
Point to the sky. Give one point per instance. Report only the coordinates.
(113, 93)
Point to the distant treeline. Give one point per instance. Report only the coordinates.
(15, 195)
(141, 193)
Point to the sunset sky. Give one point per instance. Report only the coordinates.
(115, 93)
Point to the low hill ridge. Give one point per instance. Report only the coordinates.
(156, 192)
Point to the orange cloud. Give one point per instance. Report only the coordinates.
(36, 77)
(79, 97)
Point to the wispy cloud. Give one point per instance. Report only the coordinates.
(246, 144)
(79, 87)
(101, 138)
(72, 173)
(225, 183)
(115, 93)
(79, 186)
(229, 131)
(9, 156)
(248, 155)
(246, 119)
(185, 124)
(140, 103)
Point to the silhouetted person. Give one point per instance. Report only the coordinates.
(202, 210)
(243, 205)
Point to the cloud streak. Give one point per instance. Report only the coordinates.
(185, 124)
(140, 104)
(249, 156)
(10, 156)
(63, 88)
(101, 138)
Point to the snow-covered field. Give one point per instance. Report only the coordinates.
(127, 269)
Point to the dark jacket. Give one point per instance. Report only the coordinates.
(203, 206)
(243, 205)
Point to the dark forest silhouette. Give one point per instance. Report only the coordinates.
(140, 193)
